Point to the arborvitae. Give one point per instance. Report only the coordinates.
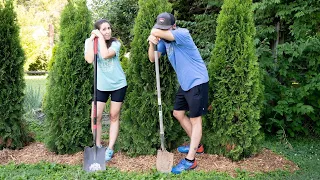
(232, 126)
(13, 132)
(140, 119)
(68, 98)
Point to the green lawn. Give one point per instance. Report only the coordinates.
(305, 153)
(36, 82)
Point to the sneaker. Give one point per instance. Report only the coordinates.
(184, 165)
(109, 154)
(185, 149)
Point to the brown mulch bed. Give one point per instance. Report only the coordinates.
(265, 161)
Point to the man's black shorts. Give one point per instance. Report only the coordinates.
(116, 95)
(194, 100)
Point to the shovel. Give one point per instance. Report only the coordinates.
(164, 158)
(94, 157)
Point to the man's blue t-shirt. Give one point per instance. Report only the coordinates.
(185, 59)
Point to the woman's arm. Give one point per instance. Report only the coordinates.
(89, 54)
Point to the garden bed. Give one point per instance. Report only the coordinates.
(265, 161)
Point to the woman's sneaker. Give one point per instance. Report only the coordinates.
(184, 165)
(185, 149)
(108, 154)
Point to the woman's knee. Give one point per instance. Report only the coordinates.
(99, 117)
(114, 116)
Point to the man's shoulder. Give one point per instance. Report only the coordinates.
(181, 30)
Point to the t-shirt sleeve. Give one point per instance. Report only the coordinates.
(161, 47)
(115, 45)
(182, 36)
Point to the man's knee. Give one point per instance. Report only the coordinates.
(178, 115)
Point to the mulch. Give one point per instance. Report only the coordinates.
(265, 161)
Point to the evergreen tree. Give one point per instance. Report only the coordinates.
(13, 131)
(232, 126)
(68, 98)
(140, 119)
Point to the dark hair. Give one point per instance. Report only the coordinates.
(97, 25)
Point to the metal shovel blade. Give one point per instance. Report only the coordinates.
(94, 159)
(164, 161)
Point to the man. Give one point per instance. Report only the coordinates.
(193, 78)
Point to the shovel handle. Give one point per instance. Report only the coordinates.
(156, 58)
(95, 50)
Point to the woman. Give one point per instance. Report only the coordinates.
(111, 80)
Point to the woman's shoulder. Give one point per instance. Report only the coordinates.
(116, 42)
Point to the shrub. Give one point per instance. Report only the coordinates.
(68, 98)
(140, 119)
(13, 130)
(232, 127)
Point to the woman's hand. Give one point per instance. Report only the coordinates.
(96, 33)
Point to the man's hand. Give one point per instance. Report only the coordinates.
(153, 39)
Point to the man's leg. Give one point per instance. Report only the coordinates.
(195, 137)
(183, 120)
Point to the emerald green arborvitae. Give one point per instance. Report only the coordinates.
(140, 119)
(232, 126)
(13, 131)
(68, 97)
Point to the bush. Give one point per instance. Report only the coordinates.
(68, 98)
(13, 130)
(232, 127)
(140, 119)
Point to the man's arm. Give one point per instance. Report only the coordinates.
(152, 41)
(163, 34)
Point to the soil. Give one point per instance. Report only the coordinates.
(265, 161)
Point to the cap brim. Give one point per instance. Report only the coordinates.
(157, 26)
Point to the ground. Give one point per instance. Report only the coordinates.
(265, 161)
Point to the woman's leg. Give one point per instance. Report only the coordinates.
(100, 108)
(114, 122)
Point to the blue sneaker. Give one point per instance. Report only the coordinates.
(184, 165)
(109, 154)
(185, 149)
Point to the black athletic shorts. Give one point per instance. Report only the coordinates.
(116, 95)
(194, 100)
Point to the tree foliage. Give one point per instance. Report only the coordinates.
(140, 120)
(68, 98)
(121, 14)
(288, 38)
(13, 130)
(34, 18)
(232, 127)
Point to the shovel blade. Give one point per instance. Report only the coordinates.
(164, 161)
(94, 159)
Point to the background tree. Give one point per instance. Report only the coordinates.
(140, 121)
(288, 39)
(13, 130)
(120, 13)
(68, 98)
(232, 127)
(34, 18)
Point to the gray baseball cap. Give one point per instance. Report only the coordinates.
(164, 21)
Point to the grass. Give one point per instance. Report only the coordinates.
(305, 153)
